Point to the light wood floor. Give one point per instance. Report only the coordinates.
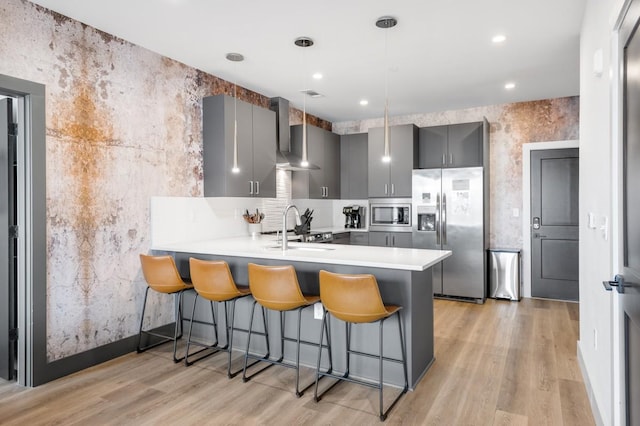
(501, 363)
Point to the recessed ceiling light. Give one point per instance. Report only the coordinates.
(364, 102)
(510, 86)
(499, 38)
(317, 76)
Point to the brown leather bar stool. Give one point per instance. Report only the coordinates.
(161, 275)
(355, 299)
(213, 281)
(277, 288)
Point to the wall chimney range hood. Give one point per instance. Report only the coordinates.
(285, 159)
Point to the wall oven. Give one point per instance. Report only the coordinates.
(390, 214)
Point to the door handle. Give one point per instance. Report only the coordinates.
(438, 219)
(444, 218)
(393, 240)
(250, 187)
(450, 158)
(386, 189)
(444, 159)
(326, 192)
(257, 188)
(618, 283)
(393, 189)
(537, 235)
(386, 240)
(536, 223)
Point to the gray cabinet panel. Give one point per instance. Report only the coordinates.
(433, 147)
(360, 238)
(323, 149)
(264, 152)
(391, 239)
(342, 238)
(455, 145)
(465, 145)
(392, 179)
(354, 166)
(256, 148)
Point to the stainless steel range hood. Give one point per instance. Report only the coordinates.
(285, 159)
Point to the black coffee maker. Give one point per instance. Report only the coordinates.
(353, 216)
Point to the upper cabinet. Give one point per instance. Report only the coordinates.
(323, 150)
(256, 140)
(353, 166)
(392, 179)
(456, 145)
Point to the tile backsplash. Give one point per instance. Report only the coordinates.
(177, 219)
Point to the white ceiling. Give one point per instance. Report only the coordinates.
(440, 55)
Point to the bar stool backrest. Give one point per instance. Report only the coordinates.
(275, 287)
(213, 280)
(161, 273)
(352, 297)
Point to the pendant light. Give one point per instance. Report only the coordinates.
(386, 22)
(235, 57)
(304, 42)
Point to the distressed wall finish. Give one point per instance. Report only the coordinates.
(123, 124)
(511, 126)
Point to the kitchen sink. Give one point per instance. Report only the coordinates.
(300, 248)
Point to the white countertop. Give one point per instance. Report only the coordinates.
(264, 247)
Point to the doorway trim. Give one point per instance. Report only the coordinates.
(526, 203)
(32, 227)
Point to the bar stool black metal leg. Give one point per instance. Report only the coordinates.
(404, 354)
(246, 354)
(144, 307)
(193, 311)
(298, 393)
(177, 336)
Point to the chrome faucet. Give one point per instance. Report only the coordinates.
(284, 223)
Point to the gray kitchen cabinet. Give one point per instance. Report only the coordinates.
(342, 238)
(354, 166)
(256, 139)
(455, 145)
(392, 179)
(391, 239)
(359, 238)
(323, 150)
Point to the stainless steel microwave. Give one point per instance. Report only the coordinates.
(390, 214)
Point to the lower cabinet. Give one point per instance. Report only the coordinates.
(342, 238)
(359, 238)
(391, 239)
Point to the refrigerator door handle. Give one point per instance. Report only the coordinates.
(438, 219)
(444, 218)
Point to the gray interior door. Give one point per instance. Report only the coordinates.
(629, 283)
(7, 242)
(554, 224)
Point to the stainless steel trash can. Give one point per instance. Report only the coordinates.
(504, 274)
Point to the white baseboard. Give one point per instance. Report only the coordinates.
(597, 417)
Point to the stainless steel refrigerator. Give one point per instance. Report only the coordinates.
(450, 212)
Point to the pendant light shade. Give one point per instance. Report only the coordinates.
(385, 23)
(304, 42)
(235, 57)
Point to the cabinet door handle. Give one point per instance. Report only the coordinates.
(257, 188)
(393, 240)
(450, 158)
(250, 187)
(393, 189)
(386, 240)
(326, 192)
(444, 159)
(386, 189)
(438, 219)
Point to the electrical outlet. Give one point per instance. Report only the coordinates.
(318, 311)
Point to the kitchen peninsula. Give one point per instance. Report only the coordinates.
(404, 278)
